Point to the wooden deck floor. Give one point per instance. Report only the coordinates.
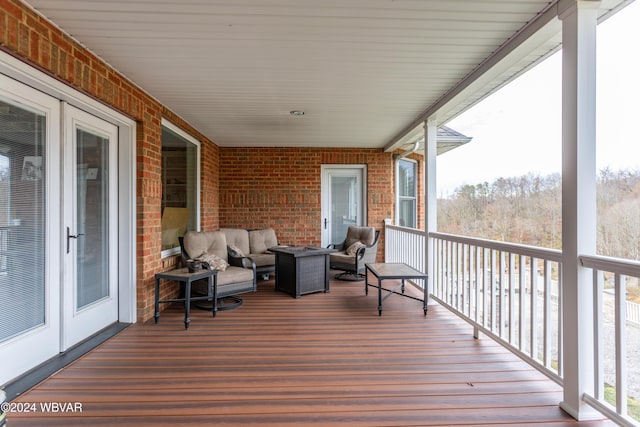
(322, 359)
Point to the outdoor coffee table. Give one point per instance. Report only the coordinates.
(182, 275)
(394, 271)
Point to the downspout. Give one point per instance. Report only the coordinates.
(409, 151)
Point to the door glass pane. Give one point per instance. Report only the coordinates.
(22, 219)
(344, 205)
(92, 209)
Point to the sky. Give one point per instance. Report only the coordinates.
(517, 130)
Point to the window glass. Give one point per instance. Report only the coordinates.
(180, 195)
(406, 193)
(22, 219)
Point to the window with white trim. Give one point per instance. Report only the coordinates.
(180, 186)
(406, 193)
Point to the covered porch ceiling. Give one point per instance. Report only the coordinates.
(366, 73)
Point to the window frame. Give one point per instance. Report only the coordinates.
(188, 138)
(399, 198)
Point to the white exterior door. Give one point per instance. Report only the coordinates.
(343, 200)
(90, 287)
(29, 216)
(61, 169)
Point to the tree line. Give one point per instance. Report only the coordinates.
(528, 210)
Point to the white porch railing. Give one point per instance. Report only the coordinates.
(512, 293)
(616, 336)
(402, 244)
(507, 291)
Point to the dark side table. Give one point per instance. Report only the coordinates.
(182, 275)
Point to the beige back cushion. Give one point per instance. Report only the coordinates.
(366, 235)
(261, 240)
(197, 243)
(238, 237)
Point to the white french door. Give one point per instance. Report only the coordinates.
(67, 218)
(89, 235)
(343, 200)
(29, 216)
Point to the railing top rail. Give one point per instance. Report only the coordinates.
(532, 251)
(406, 229)
(617, 265)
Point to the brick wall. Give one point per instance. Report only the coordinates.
(280, 188)
(29, 37)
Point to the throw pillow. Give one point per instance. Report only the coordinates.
(351, 250)
(213, 261)
(235, 251)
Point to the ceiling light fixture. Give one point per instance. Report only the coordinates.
(296, 112)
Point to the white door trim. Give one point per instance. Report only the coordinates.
(324, 202)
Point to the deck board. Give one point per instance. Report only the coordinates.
(322, 359)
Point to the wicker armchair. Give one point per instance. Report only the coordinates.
(358, 248)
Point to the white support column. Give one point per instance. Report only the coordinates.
(579, 22)
(430, 197)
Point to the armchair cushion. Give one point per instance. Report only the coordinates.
(365, 235)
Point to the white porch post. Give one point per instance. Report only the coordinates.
(430, 197)
(579, 21)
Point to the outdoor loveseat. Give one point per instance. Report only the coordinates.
(235, 277)
(254, 244)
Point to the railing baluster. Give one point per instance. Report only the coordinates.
(598, 289)
(478, 277)
(512, 293)
(533, 327)
(621, 345)
(546, 351)
(521, 308)
(486, 286)
(501, 279)
(560, 364)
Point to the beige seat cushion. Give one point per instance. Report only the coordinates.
(262, 260)
(234, 275)
(237, 237)
(197, 243)
(261, 240)
(341, 258)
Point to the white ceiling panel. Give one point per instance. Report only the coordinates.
(361, 70)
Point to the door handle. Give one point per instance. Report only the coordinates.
(72, 236)
(325, 223)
